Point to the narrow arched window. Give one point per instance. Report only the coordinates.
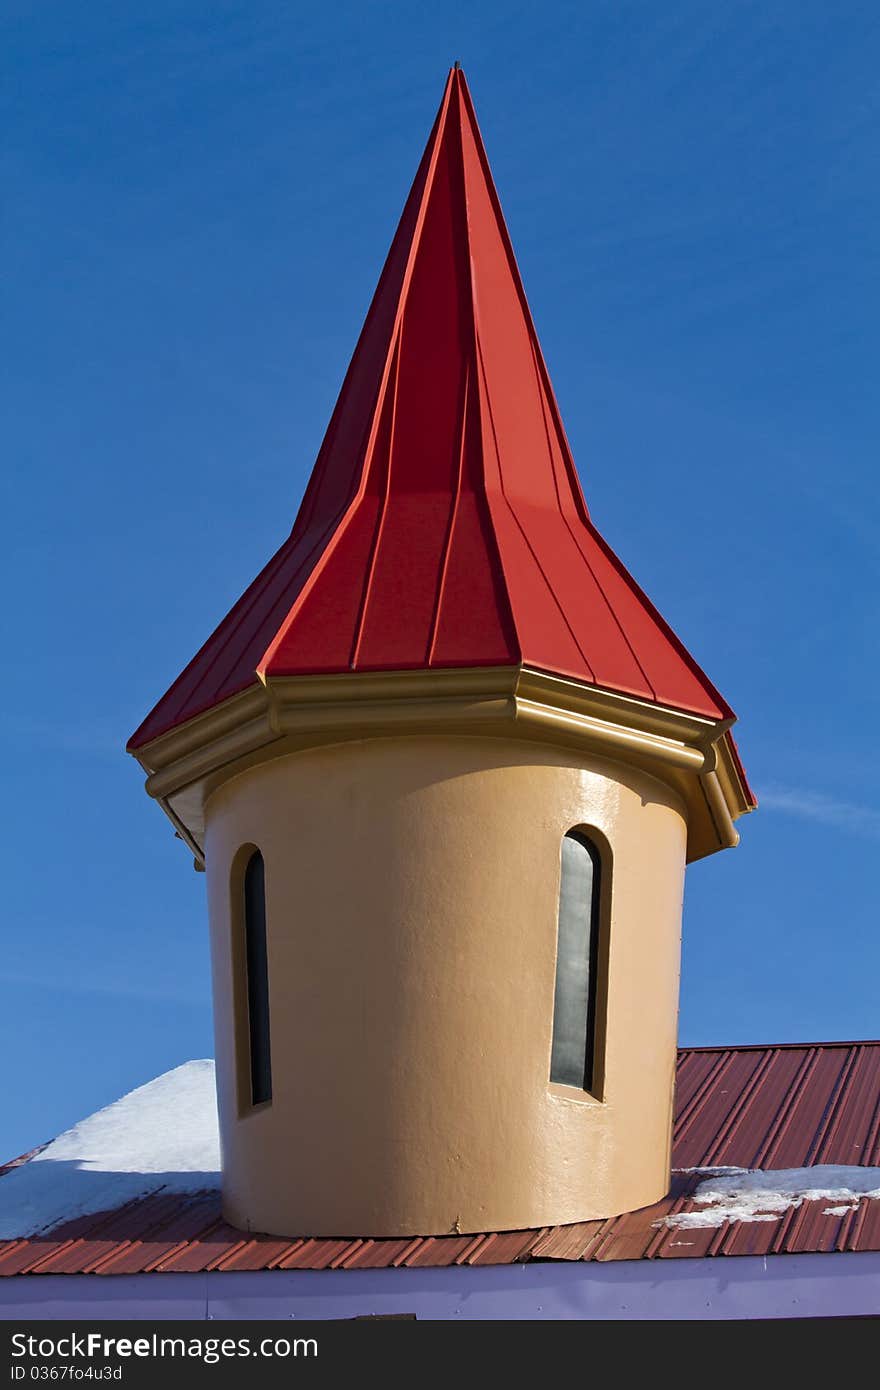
(257, 970)
(572, 1060)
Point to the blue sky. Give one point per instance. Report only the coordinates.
(200, 198)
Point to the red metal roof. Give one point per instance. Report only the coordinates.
(444, 523)
(768, 1107)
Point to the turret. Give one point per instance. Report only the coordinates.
(444, 764)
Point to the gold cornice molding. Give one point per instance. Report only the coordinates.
(201, 730)
(626, 710)
(734, 789)
(289, 714)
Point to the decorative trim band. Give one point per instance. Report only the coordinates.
(287, 714)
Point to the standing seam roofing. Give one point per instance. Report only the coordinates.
(788, 1106)
(444, 524)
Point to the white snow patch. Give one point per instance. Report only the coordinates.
(711, 1216)
(710, 1170)
(163, 1136)
(764, 1194)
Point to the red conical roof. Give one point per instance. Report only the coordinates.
(444, 524)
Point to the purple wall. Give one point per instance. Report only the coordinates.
(829, 1285)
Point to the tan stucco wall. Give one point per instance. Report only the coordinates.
(412, 892)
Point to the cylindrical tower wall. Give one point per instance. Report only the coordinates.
(412, 896)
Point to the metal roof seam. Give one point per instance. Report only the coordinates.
(592, 1243)
(443, 568)
(289, 1249)
(789, 1223)
(848, 1221)
(236, 1248)
(684, 1120)
(382, 511)
(872, 1143)
(8, 1248)
(359, 1248)
(64, 1250)
(834, 1111)
(473, 1246)
(349, 1249)
(739, 1106)
(788, 1101)
(295, 1253)
(719, 1239)
(403, 1257)
(854, 1227)
(603, 1237)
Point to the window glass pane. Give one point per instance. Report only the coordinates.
(574, 1004)
(257, 979)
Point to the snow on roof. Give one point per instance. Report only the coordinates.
(756, 1194)
(736, 1107)
(164, 1135)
